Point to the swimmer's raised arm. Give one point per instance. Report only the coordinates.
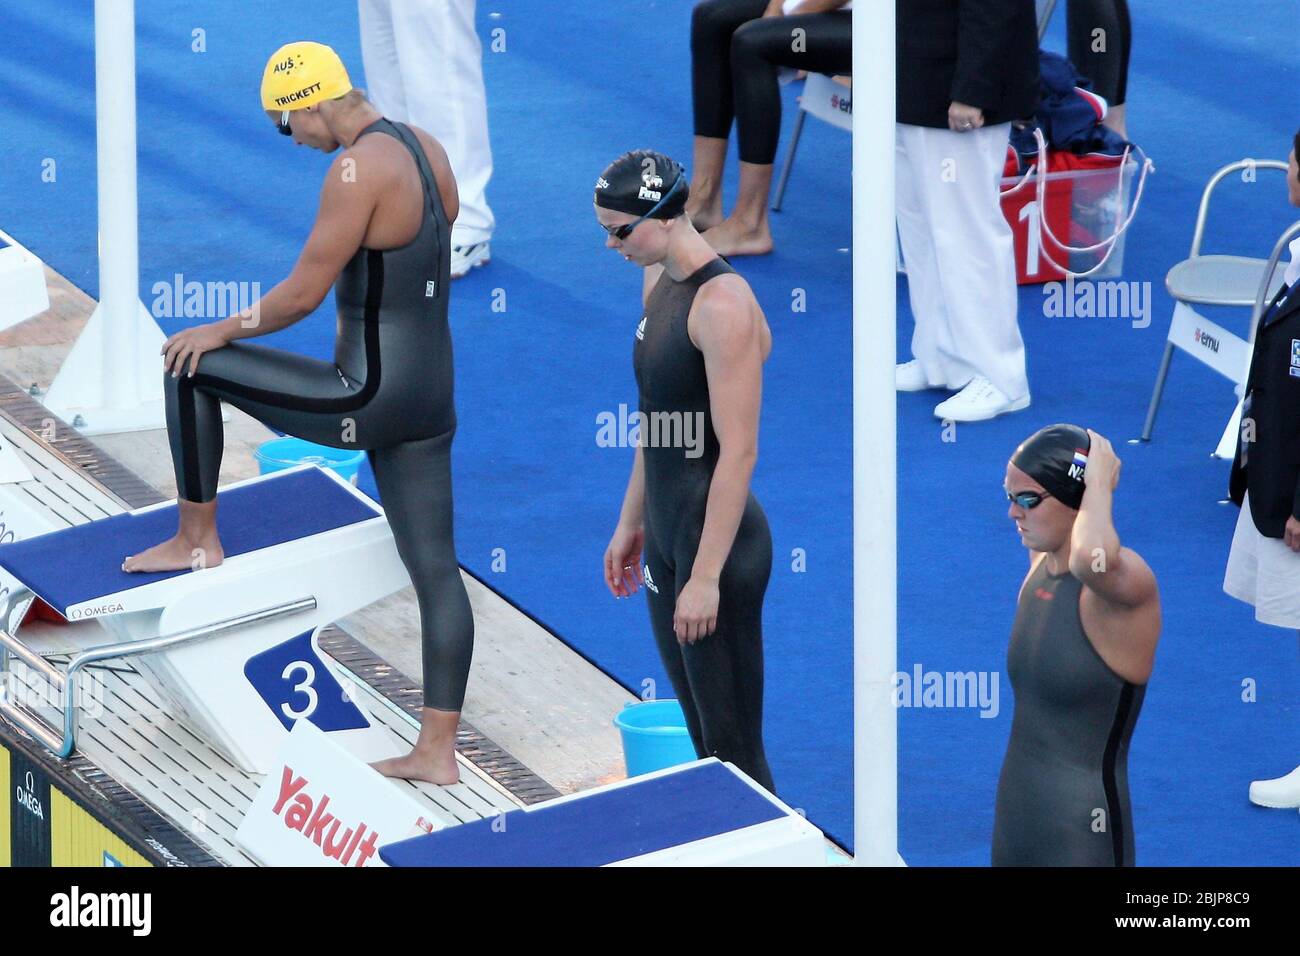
(1113, 572)
(347, 202)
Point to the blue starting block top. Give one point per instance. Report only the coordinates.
(608, 826)
(83, 563)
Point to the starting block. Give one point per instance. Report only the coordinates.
(705, 813)
(233, 647)
(22, 283)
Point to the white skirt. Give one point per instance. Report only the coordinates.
(1264, 572)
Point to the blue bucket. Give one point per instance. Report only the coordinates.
(280, 453)
(654, 736)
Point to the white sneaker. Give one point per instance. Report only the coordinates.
(1280, 794)
(909, 377)
(977, 402)
(464, 258)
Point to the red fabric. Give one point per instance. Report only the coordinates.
(40, 611)
(1022, 214)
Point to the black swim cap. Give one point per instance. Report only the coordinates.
(643, 183)
(1055, 457)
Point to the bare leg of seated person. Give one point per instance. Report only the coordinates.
(704, 206)
(745, 232)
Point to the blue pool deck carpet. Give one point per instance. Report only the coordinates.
(544, 341)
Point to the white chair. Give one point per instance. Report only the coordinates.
(826, 99)
(1216, 280)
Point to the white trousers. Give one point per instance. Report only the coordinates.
(960, 256)
(424, 66)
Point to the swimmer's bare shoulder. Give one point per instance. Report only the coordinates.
(727, 301)
(386, 159)
(441, 167)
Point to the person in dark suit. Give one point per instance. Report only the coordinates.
(966, 70)
(1264, 564)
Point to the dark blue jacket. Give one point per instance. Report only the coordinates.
(1272, 469)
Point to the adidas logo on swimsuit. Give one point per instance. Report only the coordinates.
(649, 581)
(640, 329)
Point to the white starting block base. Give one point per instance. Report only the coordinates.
(130, 733)
(320, 806)
(290, 535)
(705, 813)
(22, 283)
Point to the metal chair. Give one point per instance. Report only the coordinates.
(1221, 280)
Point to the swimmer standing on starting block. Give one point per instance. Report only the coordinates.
(382, 238)
(698, 357)
(1082, 649)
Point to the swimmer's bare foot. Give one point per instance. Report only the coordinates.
(433, 758)
(194, 547)
(421, 766)
(733, 238)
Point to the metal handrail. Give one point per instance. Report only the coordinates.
(1045, 11)
(1203, 210)
(66, 681)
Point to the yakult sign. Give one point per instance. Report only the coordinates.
(321, 806)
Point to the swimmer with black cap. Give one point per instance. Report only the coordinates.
(689, 529)
(1082, 650)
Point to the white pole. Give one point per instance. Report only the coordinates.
(119, 259)
(875, 541)
(111, 381)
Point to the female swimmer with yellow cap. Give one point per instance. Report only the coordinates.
(382, 239)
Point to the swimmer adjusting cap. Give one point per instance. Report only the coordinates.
(302, 74)
(1055, 457)
(643, 183)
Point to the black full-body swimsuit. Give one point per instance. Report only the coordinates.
(388, 391)
(719, 678)
(1063, 797)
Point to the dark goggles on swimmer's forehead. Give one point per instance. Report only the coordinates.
(1027, 499)
(622, 232)
(282, 124)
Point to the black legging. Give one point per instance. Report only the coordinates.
(1108, 67)
(734, 56)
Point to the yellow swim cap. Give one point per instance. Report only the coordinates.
(302, 74)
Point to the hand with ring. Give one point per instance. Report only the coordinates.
(963, 118)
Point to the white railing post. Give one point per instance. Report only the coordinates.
(112, 379)
(875, 518)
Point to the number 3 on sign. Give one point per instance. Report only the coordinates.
(303, 687)
(1030, 211)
